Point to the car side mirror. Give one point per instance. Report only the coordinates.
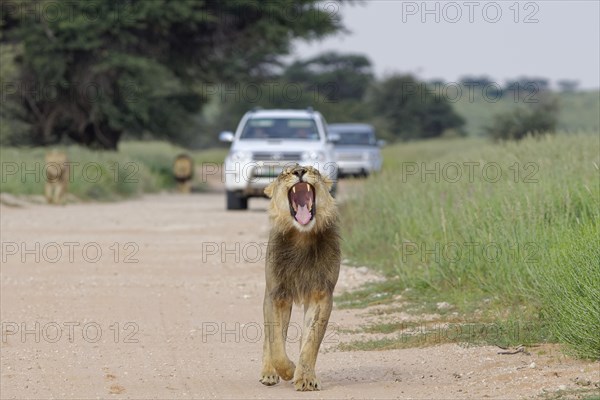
(226, 136)
(381, 143)
(333, 137)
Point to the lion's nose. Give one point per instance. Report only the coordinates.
(300, 172)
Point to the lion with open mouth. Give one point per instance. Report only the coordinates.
(302, 267)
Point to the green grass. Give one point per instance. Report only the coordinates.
(212, 156)
(579, 111)
(526, 241)
(137, 168)
(579, 394)
(571, 294)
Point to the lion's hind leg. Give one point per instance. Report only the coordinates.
(48, 191)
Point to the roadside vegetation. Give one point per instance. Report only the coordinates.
(139, 167)
(502, 234)
(577, 111)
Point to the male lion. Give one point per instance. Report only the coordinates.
(303, 264)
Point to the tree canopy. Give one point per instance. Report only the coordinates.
(96, 69)
(334, 83)
(410, 109)
(337, 76)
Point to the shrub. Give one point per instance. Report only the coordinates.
(537, 119)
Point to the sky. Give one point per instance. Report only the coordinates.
(450, 39)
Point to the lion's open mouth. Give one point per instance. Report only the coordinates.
(302, 202)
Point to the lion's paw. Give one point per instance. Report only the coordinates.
(269, 378)
(306, 381)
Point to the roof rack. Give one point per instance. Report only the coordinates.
(310, 109)
(256, 108)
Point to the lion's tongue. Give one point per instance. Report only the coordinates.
(303, 215)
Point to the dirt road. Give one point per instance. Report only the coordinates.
(161, 297)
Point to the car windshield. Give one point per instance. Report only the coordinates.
(364, 138)
(280, 128)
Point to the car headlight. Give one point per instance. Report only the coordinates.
(312, 156)
(241, 156)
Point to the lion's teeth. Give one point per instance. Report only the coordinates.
(294, 189)
(308, 187)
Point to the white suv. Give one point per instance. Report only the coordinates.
(268, 140)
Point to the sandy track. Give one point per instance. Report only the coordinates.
(189, 314)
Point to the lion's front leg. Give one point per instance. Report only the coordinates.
(276, 363)
(317, 310)
(268, 375)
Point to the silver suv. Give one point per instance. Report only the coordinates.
(357, 151)
(265, 142)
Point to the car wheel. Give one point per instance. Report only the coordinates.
(333, 190)
(236, 201)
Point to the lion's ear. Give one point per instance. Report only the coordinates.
(270, 188)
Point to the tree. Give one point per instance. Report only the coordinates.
(528, 84)
(336, 76)
(332, 83)
(482, 84)
(481, 81)
(411, 109)
(94, 70)
(568, 85)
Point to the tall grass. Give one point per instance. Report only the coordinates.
(516, 237)
(571, 294)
